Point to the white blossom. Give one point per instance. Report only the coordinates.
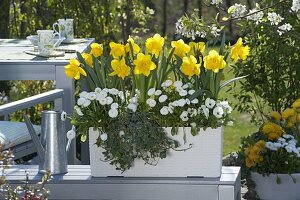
(113, 113)
(78, 110)
(71, 134)
(103, 93)
(192, 111)
(63, 116)
(114, 105)
(97, 90)
(86, 103)
(218, 112)
(183, 93)
(80, 101)
(274, 18)
(158, 92)
(114, 91)
(103, 136)
(191, 92)
(103, 101)
(214, 30)
(133, 100)
(181, 102)
(287, 136)
(162, 98)
(151, 91)
(216, 2)
(91, 96)
(193, 124)
(83, 94)
(151, 102)
(288, 148)
(229, 123)
(170, 109)
(109, 100)
(296, 5)
(184, 116)
(175, 103)
(210, 103)
(187, 101)
(178, 84)
(255, 15)
(284, 28)
(185, 86)
(205, 111)
(195, 101)
(168, 83)
(132, 107)
(164, 110)
(239, 10)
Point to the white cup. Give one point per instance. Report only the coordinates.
(65, 28)
(46, 41)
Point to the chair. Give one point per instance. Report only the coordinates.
(14, 135)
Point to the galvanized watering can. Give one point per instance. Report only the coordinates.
(51, 146)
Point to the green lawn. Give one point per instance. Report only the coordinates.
(241, 126)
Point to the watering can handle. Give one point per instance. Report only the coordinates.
(35, 138)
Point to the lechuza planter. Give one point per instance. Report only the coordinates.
(204, 159)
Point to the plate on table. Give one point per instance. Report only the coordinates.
(53, 54)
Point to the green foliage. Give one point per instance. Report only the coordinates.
(106, 20)
(23, 89)
(133, 137)
(273, 68)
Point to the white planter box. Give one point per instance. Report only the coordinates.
(267, 188)
(204, 159)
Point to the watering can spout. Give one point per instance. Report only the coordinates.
(35, 139)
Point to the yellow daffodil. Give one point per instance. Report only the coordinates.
(239, 51)
(189, 66)
(272, 130)
(213, 61)
(200, 46)
(88, 59)
(117, 50)
(181, 49)
(155, 44)
(135, 47)
(120, 68)
(96, 49)
(143, 64)
(275, 115)
(73, 70)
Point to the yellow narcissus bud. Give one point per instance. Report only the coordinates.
(88, 59)
(213, 61)
(96, 49)
(200, 46)
(135, 47)
(275, 115)
(231, 9)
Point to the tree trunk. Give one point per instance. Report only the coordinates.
(228, 4)
(164, 27)
(200, 8)
(250, 4)
(4, 18)
(185, 6)
(23, 10)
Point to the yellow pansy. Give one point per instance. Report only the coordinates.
(143, 64)
(272, 130)
(88, 59)
(155, 44)
(287, 113)
(275, 115)
(239, 51)
(117, 50)
(181, 49)
(200, 46)
(73, 70)
(135, 47)
(96, 49)
(120, 68)
(189, 66)
(213, 61)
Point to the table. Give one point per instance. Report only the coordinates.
(17, 65)
(78, 184)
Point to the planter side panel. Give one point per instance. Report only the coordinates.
(204, 159)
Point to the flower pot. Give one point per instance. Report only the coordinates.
(267, 188)
(204, 159)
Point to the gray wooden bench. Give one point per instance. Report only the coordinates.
(78, 184)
